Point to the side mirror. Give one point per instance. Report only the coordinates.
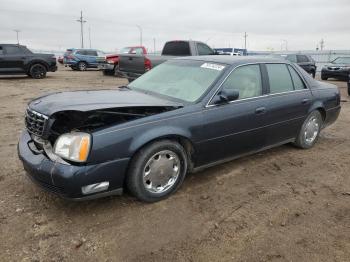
(226, 96)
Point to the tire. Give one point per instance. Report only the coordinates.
(165, 161)
(82, 66)
(38, 71)
(324, 77)
(310, 130)
(130, 80)
(115, 70)
(348, 88)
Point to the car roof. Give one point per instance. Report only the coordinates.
(231, 60)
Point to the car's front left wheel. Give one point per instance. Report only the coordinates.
(157, 170)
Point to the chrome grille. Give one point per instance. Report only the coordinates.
(35, 122)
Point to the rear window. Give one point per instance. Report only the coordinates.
(177, 48)
(302, 59)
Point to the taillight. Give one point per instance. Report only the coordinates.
(148, 64)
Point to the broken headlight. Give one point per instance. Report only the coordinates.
(73, 146)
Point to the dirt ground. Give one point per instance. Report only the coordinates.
(284, 204)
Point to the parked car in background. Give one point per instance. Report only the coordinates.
(339, 68)
(146, 136)
(60, 60)
(109, 66)
(82, 59)
(304, 61)
(18, 59)
(131, 66)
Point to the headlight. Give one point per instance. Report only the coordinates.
(73, 146)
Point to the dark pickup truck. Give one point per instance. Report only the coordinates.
(18, 59)
(132, 66)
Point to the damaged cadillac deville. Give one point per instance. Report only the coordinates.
(182, 116)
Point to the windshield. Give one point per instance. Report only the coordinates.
(186, 80)
(342, 60)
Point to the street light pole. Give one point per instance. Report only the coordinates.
(17, 31)
(245, 40)
(140, 28)
(81, 21)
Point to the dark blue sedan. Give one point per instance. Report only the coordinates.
(182, 116)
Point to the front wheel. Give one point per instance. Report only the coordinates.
(37, 71)
(324, 77)
(313, 74)
(309, 131)
(157, 171)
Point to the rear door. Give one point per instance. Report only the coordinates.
(2, 60)
(289, 100)
(13, 59)
(235, 128)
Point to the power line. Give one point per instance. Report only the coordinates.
(81, 21)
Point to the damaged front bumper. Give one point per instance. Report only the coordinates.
(68, 180)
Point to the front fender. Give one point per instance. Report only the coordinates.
(157, 133)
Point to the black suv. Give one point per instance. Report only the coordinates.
(304, 61)
(18, 59)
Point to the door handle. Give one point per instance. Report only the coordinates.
(305, 101)
(260, 110)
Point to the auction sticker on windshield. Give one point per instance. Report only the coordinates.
(213, 66)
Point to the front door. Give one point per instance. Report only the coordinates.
(13, 59)
(237, 127)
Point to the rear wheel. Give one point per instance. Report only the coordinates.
(349, 88)
(82, 66)
(37, 71)
(157, 171)
(310, 130)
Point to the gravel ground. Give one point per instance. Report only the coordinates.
(284, 204)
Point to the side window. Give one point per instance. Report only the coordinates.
(302, 59)
(91, 53)
(298, 83)
(292, 58)
(138, 51)
(246, 80)
(12, 50)
(80, 52)
(1, 51)
(279, 78)
(203, 49)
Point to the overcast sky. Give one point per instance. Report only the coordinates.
(51, 24)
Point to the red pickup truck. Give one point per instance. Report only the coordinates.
(110, 65)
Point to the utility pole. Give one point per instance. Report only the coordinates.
(90, 36)
(286, 44)
(17, 31)
(245, 40)
(140, 28)
(81, 21)
(322, 44)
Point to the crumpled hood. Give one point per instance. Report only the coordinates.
(96, 99)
